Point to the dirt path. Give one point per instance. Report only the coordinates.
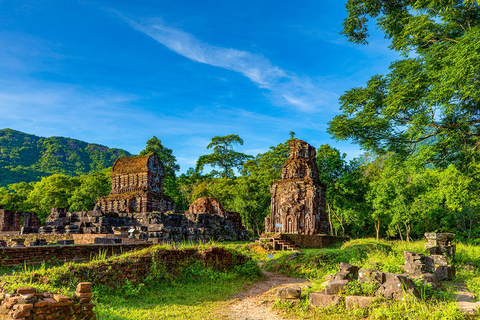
(256, 302)
(465, 300)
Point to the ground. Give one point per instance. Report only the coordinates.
(256, 302)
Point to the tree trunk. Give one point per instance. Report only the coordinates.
(330, 218)
(377, 227)
(400, 232)
(407, 228)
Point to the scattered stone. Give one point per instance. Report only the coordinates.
(445, 272)
(395, 288)
(335, 286)
(352, 302)
(428, 278)
(322, 300)
(368, 275)
(414, 262)
(289, 293)
(350, 270)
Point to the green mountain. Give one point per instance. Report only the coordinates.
(26, 157)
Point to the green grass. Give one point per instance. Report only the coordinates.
(199, 299)
(385, 256)
(199, 292)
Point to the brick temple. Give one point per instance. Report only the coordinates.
(298, 200)
(137, 186)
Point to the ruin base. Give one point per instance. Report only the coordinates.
(307, 240)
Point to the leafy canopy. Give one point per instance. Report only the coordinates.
(223, 155)
(432, 95)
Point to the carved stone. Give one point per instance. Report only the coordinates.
(137, 186)
(298, 200)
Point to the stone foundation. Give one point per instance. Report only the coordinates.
(307, 240)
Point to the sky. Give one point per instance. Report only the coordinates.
(119, 72)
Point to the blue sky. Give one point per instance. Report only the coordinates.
(119, 72)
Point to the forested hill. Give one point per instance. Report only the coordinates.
(26, 157)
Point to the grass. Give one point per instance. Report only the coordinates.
(315, 264)
(174, 300)
(199, 292)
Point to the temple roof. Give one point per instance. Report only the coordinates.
(138, 164)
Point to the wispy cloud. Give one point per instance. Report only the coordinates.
(285, 87)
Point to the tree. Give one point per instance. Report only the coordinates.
(224, 156)
(345, 198)
(52, 192)
(91, 188)
(171, 167)
(431, 95)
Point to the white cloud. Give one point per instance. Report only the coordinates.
(286, 88)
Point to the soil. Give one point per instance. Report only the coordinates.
(256, 302)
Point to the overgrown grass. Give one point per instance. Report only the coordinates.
(192, 291)
(198, 293)
(315, 264)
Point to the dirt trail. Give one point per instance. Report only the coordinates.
(465, 300)
(256, 302)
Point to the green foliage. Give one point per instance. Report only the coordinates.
(223, 155)
(432, 94)
(355, 288)
(170, 184)
(27, 158)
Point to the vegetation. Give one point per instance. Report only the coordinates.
(385, 256)
(26, 158)
(431, 93)
(161, 293)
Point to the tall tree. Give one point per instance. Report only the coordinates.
(432, 94)
(171, 167)
(224, 156)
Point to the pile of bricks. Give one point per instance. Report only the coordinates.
(27, 304)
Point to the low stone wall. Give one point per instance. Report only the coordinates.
(312, 241)
(159, 263)
(51, 254)
(27, 304)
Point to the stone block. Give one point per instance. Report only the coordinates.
(322, 300)
(60, 298)
(107, 240)
(85, 295)
(396, 287)
(414, 262)
(40, 304)
(352, 302)
(26, 290)
(368, 275)
(65, 242)
(445, 272)
(428, 278)
(439, 260)
(289, 293)
(335, 286)
(83, 287)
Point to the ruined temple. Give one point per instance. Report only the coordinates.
(137, 186)
(298, 200)
(24, 222)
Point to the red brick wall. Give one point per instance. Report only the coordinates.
(13, 256)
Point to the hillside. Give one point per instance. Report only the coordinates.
(26, 157)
